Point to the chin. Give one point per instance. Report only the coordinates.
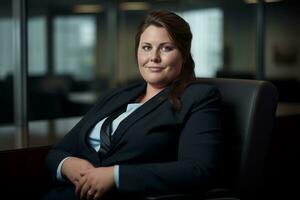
(158, 83)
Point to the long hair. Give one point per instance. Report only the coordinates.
(180, 32)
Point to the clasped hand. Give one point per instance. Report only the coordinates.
(90, 182)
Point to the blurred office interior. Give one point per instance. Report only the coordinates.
(57, 57)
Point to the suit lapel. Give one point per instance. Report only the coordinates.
(113, 104)
(138, 114)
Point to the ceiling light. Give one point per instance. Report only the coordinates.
(134, 6)
(87, 8)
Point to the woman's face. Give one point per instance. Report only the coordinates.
(159, 60)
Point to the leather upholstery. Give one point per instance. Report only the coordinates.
(249, 108)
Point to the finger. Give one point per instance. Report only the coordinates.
(79, 185)
(84, 190)
(90, 194)
(97, 195)
(76, 183)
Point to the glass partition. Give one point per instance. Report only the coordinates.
(7, 128)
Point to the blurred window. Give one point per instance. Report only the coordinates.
(7, 130)
(74, 46)
(6, 47)
(207, 45)
(37, 50)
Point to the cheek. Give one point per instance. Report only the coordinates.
(142, 58)
(175, 62)
(141, 62)
(176, 69)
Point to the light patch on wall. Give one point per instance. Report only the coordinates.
(87, 8)
(126, 6)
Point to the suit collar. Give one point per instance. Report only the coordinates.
(123, 98)
(138, 114)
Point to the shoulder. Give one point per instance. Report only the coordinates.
(199, 95)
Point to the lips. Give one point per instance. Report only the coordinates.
(155, 68)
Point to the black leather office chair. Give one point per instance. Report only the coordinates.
(249, 108)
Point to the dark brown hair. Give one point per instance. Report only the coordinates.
(181, 34)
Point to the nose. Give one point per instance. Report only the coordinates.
(155, 57)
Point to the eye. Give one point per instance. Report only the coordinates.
(146, 47)
(167, 48)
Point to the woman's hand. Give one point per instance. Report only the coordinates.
(95, 182)
(73, 167)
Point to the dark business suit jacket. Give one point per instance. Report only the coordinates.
(158, 149)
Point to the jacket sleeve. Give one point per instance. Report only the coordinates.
(69, 145)
(198, 154)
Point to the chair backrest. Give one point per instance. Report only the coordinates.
(249, 108)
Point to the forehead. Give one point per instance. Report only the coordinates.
(155, 34)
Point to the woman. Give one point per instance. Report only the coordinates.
(166, 132)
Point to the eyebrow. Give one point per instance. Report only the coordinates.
(163, 43)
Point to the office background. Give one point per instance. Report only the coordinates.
(57, 57)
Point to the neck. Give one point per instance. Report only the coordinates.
(151, 91)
